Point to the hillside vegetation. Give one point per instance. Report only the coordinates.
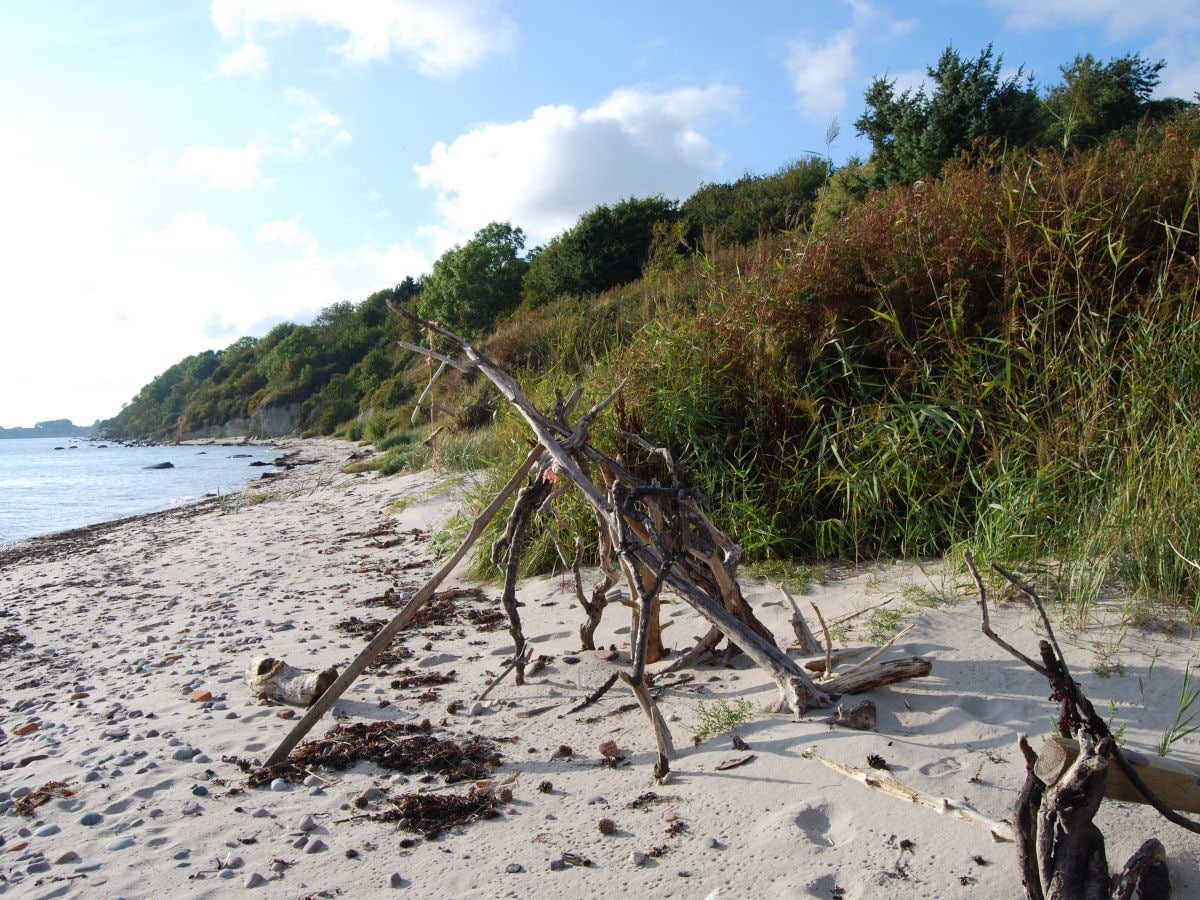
(988, 333)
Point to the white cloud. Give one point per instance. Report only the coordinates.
(440, 39)
(1118, 16)
(248, 59)
(316, 125)
(236, 168)
(820, 73)
(540, 173)
(288, 233)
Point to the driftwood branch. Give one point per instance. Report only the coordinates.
(1060, 850)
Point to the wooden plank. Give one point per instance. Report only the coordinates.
(1176, 783)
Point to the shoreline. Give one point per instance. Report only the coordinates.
(112, 636)
(81, 531)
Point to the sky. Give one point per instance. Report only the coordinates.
(175, 175)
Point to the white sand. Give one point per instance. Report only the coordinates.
(128, 619)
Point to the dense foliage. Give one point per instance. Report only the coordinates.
(1000, 348)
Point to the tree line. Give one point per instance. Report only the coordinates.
(343, 367)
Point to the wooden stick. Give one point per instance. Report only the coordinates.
(828, 640)
(512, 664)
(955, 809)
(381, 641)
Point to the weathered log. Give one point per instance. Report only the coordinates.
(1176, 782)
(274, 679)
(889, 672)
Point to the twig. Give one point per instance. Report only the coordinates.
(857, 613)
(594, 695)
(522, 657)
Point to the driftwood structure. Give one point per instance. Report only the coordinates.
(1059, 848)
(651, 534)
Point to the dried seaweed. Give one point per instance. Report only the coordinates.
(410, 678)
(47, 792)
(398, 746)
(431, 814)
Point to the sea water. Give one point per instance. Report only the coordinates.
(54, 484)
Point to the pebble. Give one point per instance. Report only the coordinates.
(199, 790)
(514, 868)
(253, 880)
(233, 862)
(69, 857)
(38, 867)
(316, 846)
(594, 801)
(200, 696)
(557, 865)
(120, 844)
(397, 880)
(306, 824)
(712, 843)
(637, 857)
(312, 781)
(191, 808)
(280, 784)
(47, 830)
(184, 753)
(261, 813)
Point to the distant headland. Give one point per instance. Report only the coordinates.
(55, 428)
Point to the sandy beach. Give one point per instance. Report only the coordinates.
(124, 708)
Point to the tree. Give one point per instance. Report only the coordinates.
(608, 246)
(757, 204)
(914, 134)
(474, 284)
(1095, 100)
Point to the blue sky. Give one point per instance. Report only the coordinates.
(174, 175)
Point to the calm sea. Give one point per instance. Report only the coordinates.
(52, 484)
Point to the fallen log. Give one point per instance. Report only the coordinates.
(274, 679)
(889, 672)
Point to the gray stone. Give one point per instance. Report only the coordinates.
(253, 880)
(316, 846)
(514, 868)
